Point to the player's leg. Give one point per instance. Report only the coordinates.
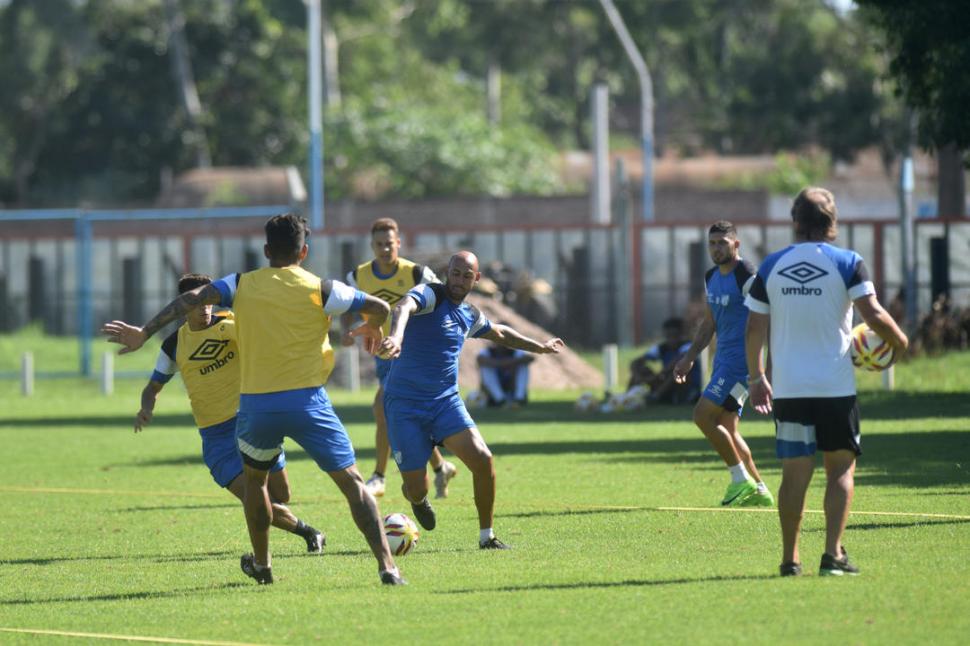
(492, 385)
(520, 390)
(283, 517)
(322, 435)
(443, 470)
(382, 449)
(707, 417)
(838, 439)
(796, 474)
(260, 444)
(730, 421)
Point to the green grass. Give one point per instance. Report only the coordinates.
(105, 531)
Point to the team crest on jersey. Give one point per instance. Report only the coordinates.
(803, 272)
(208, 350)
(387, 296)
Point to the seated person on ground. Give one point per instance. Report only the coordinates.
(504, 374)
(662, 386)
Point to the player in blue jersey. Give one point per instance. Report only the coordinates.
(718, 411)
(804, 295)
(428, 329)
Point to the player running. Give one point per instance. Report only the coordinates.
(282, 318)
(718, 411)
(421, 397)
(804, 294)
(389, 277)
(205, 353)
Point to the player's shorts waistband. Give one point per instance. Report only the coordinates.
(285, 400)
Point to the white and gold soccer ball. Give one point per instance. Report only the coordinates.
(869, 350)
(586, 403)
(402, 534)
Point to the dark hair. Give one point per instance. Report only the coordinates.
(384, 224)
(188, 282)
(814, 214)
(285, 236)
(674, 322)
(725, 227)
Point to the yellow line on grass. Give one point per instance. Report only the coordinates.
(130, 638)
(764, 510)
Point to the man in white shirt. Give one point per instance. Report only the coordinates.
(804, 294)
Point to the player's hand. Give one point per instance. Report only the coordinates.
(682, 369)
(553, 346)
(129, 336)
(390, 348)
(346, 339)
(759, 394)
(142, 419)
(370, 335)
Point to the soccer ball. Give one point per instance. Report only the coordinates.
(402, 534)
(586, 403)
(869, 350)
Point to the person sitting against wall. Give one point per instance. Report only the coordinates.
(663, 387)
(504, 374)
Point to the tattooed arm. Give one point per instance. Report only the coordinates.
(133, 337)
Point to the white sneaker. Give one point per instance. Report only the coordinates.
(442, 478)
(375, 485)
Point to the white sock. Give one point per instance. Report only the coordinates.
(762, 487)
(484, 535)
(738, 473)
(260, 568)
(396, 572)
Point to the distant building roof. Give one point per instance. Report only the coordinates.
(234, 186)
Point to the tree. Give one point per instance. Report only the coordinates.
(929, 42)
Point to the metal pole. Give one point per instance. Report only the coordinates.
(315, 64)
(600, 193)
(27, 374)
(646, 103)
(907, 230)
(611, 366)
(85, 308)
(107, 373)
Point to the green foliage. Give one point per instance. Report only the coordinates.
(791, 174)
(929, 45)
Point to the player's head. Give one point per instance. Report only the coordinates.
(815, 215)
(385, 240)
(188, 282)
(722, 242)
(286, 239)
(673, 329)
(462, 275)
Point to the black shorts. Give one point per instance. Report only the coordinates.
(805, 424)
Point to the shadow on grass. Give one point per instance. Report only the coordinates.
(575, 512)
(892, 525)
(51, 560)
(628, 583)
(130, 596)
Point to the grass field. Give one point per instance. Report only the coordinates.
(107, 532)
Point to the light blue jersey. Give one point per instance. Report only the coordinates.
(725, 297)
(427, 367)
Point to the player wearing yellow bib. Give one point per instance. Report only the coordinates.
(283, 315)
(205, 353)
(389, 277)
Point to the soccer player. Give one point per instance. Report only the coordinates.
(204, 351)
(718, 411)
(504, 375)
(421, 392)
(282, 319)
(389, 277)
(804, 295)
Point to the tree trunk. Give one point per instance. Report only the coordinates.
(951, 195)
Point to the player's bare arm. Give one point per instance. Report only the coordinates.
(879, 320)
(755, 337)
(391, 345)
(506, 336)
(149, 395)
(133, 337)
(702, 338)
(347, 321)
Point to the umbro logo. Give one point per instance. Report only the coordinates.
(803, 272)
(387, 296)
(209, 349)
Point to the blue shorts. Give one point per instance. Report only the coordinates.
(415, 426)
(318, 430)
(221, 453)
(383, 366)
(728, 388)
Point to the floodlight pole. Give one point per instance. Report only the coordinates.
(315, 65)
(907, 184)
(646, 103)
